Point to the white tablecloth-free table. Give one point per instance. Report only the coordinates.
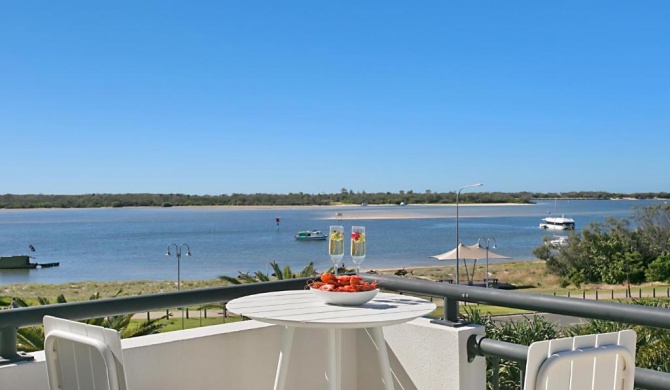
(301, 309)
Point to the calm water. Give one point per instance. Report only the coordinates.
(130, 243)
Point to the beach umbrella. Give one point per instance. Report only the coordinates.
(470, 252)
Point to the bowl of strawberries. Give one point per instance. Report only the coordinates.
(345, 290)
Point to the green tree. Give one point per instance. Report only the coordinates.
(612, 252)
(659, 269)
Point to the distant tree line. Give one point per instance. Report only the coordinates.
(616, 251)
(345, 196)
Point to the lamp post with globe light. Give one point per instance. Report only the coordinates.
(178, 251)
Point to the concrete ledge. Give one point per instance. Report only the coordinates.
(243, 355)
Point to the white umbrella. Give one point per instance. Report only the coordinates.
(470, 252)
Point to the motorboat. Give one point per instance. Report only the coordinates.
(310, 235)
(557, 223)
(558, 241)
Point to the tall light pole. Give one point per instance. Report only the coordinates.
(178, 250)
(487, 242)
(458, 242)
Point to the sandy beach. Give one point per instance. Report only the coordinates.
(387, 211)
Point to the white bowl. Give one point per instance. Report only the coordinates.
(344, 298)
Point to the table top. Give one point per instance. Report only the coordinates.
(301, 308)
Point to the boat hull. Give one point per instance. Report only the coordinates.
(557, 223)
(555, 227)
(313, 235)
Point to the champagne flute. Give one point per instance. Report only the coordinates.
(358, 246)
(336, 245)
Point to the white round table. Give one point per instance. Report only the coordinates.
(301, 309)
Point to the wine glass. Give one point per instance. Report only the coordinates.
(336, 245)
(358, 246)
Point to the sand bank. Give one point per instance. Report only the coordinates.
(389, 211)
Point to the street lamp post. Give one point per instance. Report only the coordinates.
(178, 250)
(487, 242)
(458, 242)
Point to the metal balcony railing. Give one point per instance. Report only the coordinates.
(452, 294)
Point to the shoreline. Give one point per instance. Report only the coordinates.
(204, 282)
(353, 212)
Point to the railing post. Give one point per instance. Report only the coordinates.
(496, 373)
(450, 313)
(451, 310)
(8, 352)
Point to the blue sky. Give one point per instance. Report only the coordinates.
(220, 97)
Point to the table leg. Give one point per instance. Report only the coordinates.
(334, 359)
(382, 356)
(284, 356)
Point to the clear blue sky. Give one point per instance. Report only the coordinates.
(216, 97)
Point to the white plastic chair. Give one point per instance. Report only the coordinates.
(81, 356)
(591, 362)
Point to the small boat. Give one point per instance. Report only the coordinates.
(557, 223)
(310, 235)
(558, 241)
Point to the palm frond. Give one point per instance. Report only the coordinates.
(276, 269)
(229, 279)
(307, 271)
(151, 326)
(261, 277)
(30, 339)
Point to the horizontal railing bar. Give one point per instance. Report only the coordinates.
(610, 311)
(483, 346)
(32, 315)
(651, 380)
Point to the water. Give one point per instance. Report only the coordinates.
(130, 243)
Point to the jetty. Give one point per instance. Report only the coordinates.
(22, 262)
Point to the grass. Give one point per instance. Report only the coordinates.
(174, 323)
(81, 291)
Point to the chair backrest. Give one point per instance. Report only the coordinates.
(82, 356)
(591, 362)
